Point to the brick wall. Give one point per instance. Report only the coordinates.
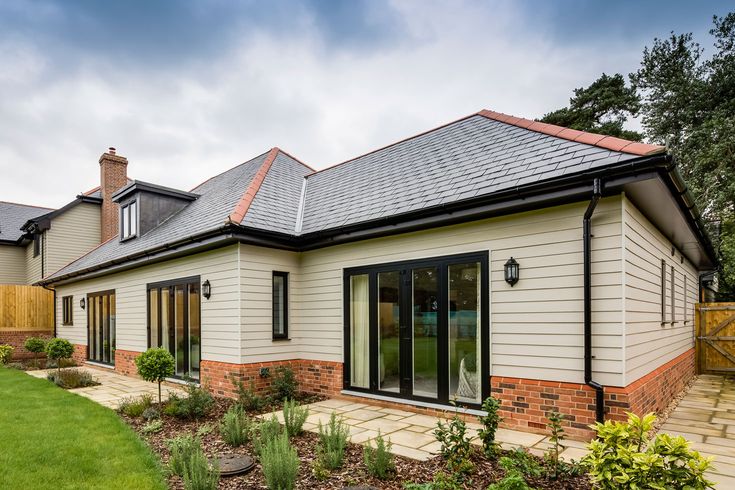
(17, 338)
(113, 176)
(526, 403)
(125, 362)
(80, 354)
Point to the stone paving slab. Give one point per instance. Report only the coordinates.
(412, 434)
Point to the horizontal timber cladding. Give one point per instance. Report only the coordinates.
(220, 314)
(649, 342)
(535, 327)
(72, 234)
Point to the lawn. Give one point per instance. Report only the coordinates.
(51, 438)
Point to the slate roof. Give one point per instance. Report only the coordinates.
(475, 156)
(13, 216)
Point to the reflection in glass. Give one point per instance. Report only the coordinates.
(194, 330)
(179, 322)
(464, 332)
(424, 312)
(359, 331)
(388, 330)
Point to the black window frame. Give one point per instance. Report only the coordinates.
(663, 292)
(67, 310)
(125, 210)
(279, 335)
(673, 295)
(686, 301)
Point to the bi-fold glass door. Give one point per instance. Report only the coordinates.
(101, 327)
(419, 329)
(174, 322)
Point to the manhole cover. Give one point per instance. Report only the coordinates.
(234, 464)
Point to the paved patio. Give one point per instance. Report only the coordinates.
(412, 434)
(706, 416)
(114, 387)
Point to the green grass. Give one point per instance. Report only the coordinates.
(51, 438)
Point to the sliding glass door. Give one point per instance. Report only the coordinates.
(419, 329)
(101, 327)
(174, 322)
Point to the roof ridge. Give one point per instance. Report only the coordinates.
(225, 171)
(594, 139)
(297, 160)
(27, 205)
(242, 207)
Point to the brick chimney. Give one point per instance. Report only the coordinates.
(113, 176)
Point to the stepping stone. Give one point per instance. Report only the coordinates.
(383, 425)
(410, 439)
(408, 452)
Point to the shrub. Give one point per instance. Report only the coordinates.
(521, 462)
(554, 464)
(235, 427)
(199, 474)
(205, 429)
(247, 398)
(196, 404)
(152, 427)
(16, 365)
(58, 349)
(135, 406)
(332, 442)
(512, 481)
(623, 456)
(280, 463)
(284, 384)
(151, 413)
(6, 352)
(453, 439)
(294, 417)
(72, 378)
(268, 429)
(490, 424)
(378, 460)
(155, 365)
(181, 449)
(36, 345)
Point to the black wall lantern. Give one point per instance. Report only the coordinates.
(512, 271)
(206, 289)
(82, 303)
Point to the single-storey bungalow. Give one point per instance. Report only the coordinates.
(552, 268)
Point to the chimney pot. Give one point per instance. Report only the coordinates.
(111, 150)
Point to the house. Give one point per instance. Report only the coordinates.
(552, 268)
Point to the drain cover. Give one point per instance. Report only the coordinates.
(233, 464)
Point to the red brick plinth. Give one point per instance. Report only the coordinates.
(16, 338)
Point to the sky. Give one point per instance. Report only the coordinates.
(188, 89)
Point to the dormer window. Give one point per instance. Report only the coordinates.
(129, 221)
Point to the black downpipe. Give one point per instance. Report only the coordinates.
(587, 240)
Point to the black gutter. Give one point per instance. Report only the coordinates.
(587, 250)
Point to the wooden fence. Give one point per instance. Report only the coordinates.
(715, 334)
(26, 309)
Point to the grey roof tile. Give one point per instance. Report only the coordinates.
(13, 216)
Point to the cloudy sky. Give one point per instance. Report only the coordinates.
(187, 89)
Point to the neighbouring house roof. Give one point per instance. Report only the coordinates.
(12, 218)
(480, 157)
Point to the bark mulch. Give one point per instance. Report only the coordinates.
(352, 473)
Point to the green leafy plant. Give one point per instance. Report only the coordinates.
(205, 429)
(181, 449)
(72, 378)
(294, 417)
(555, 466)
(6, 353)
(152, 427)
(522, 462)
(624, 456)
(490, 423)
(512, 481)
(135, 406)
(453, 439)
(155, 365)
(151, 413)
(199, 473)
(280, 463)
(284, 384)
(247, 398)
(318, 470)
(58, 349)
(332, 442)
(35, 345)
(196, 404)
(236, 426)
(267, 430)
(378, 460)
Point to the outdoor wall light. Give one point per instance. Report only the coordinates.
(206, 289)
(512, 271)
(82, 303)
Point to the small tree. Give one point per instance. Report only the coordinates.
(36, 345)
(58, 349)
(155, 365)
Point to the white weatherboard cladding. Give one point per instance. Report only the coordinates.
(648, 342)
(220, 314)
(72, 234)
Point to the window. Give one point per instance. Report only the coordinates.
(129, 222)
(37, 244)
(673, 297)
(280, 305)
(663, 291)
(67, 310)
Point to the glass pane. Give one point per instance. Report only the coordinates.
(133, 219)
(359, 331)
(388, 330)
(91, 322)
(126, 221)
(105, 323)
(425, 305)
(100, 336)
(194, 331)
(113, 319)
(166, 329)
(181, 340)
(464, 332)
(278, 305)
(153, 318)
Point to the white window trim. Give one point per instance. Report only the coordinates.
(134, 220)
